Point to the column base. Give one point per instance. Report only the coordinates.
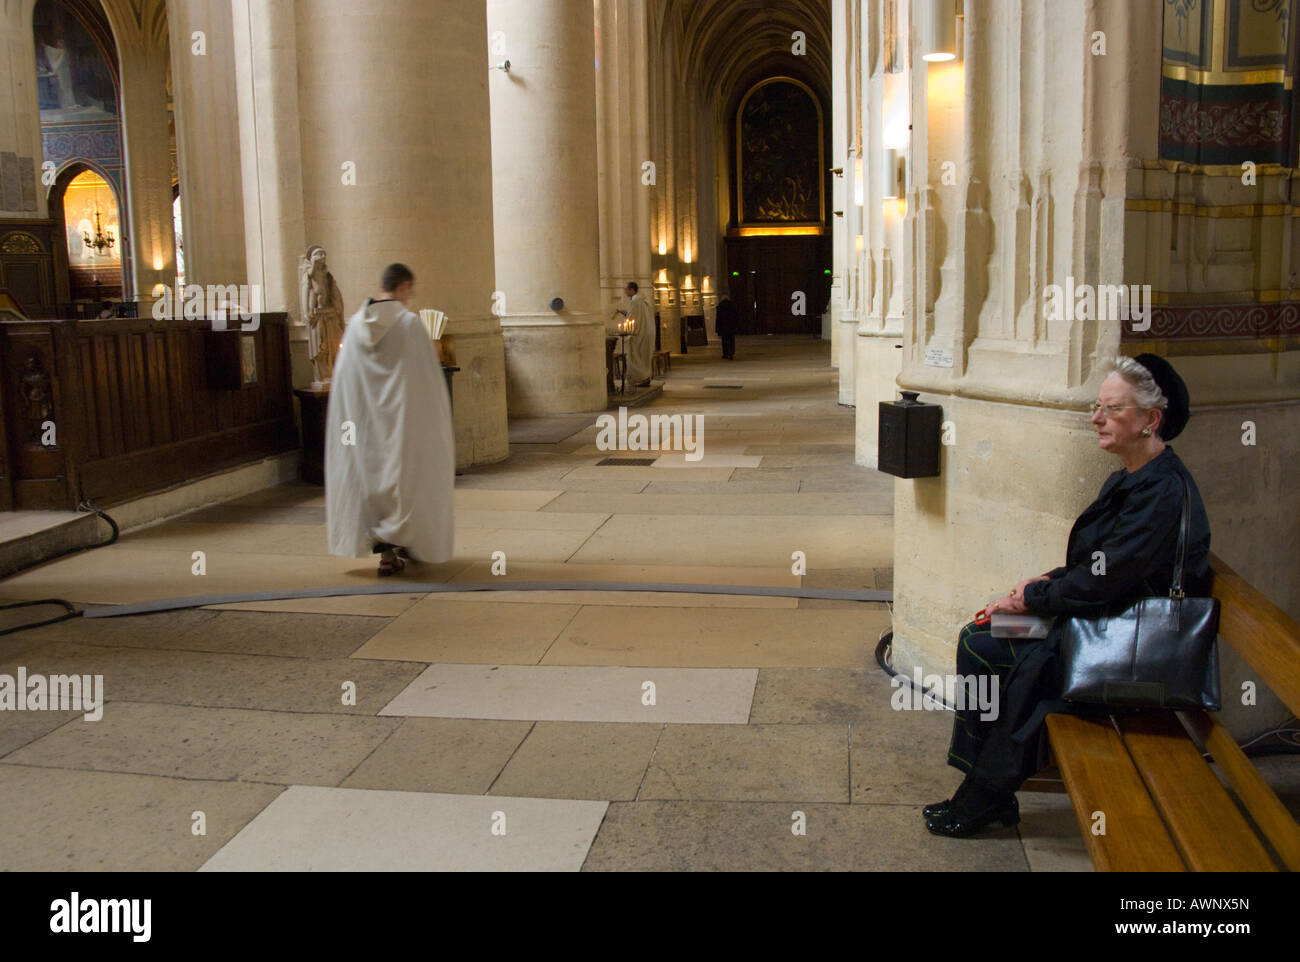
(554, 365)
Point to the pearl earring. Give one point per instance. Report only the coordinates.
(1146, 432)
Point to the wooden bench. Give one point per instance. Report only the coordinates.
(1165, 810)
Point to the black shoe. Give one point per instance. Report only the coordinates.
(954, 826)
(937, 810)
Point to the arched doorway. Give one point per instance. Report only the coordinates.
(92, 228)
(778, 242)
(78, 85)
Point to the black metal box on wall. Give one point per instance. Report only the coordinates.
(909, 437)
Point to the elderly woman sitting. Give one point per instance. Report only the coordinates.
(1120, 549)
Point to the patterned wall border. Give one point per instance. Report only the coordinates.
(1202, 322)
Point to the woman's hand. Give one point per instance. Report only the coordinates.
(1008, 605)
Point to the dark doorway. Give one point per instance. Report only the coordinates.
(781, 285)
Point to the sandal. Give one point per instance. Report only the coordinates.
(391, 567)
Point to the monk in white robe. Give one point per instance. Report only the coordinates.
(390, 453)
(641, 345)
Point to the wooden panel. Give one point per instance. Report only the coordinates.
(118, 479)
(1261, 632)
(135, 410)
(1206, 825)
(1101, 777)
(1265, 808)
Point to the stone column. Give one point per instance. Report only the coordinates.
(208, 141)
(545, 200)
(143, 58)
(839, 155)
(623, 121)
(396, 166)
(22, 195)
(266, 71)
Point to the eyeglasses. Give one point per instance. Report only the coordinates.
(1111, 409)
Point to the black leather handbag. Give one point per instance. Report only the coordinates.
(1159, 653)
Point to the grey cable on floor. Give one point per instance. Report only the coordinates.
(436, 587)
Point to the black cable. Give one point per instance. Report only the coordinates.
(884, 655)
(70, 612)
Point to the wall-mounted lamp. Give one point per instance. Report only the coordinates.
(663, 248)
(837, 171)
(859, 244)
(893, 173)
(706, 285)
(688, 283)
(939, 30)
(503, 65)
(662, 278)
(159, 291)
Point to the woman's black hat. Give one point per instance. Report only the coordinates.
(1175, 392)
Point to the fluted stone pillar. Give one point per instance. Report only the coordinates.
(396, 166)
(545, 202)
(148, 162)
(22, 195)
(266, 71)
(207, 137)
(623, 122)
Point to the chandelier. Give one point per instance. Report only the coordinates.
(101, 242)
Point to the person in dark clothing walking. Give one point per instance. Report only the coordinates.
(1134, 523)
(727, 322)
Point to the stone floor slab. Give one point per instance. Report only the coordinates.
(80, 821)
(354, 830)
(752, 836)
(595, 694)
(480, 631)
(218, 744)
(455, 755)
(796, 763)
(576, 760)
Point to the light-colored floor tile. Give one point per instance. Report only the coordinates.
(355, 830)
(479, 499)
(482, 631)
(651, 473)
(593, 694)
(57, 819)
(460, 756)
(794, 763)
(730, 638)
(710, 459)
(719, 499)
(740, 540)
(566, 760)
(530, 520)
(211, 743)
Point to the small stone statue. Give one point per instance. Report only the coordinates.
(322, 311)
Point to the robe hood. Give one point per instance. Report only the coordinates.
(375, 320)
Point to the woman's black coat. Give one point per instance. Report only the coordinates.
(1134, 525)
(728, 318)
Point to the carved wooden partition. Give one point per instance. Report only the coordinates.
(109, 410)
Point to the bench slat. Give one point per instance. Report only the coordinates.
(1100, 776)
(1272, 817)
(1207, 826)
(1261, 632)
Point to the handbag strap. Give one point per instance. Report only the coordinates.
(1176, 587)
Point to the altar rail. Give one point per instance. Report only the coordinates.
(109, 410)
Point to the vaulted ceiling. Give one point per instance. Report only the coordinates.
(723, 44)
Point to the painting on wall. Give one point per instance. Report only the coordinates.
(1228, 70)
(73, 81)
(779, 155)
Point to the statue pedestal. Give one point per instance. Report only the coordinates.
(314, 403)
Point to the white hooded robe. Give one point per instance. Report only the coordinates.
(641, 345)
(394, 484)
